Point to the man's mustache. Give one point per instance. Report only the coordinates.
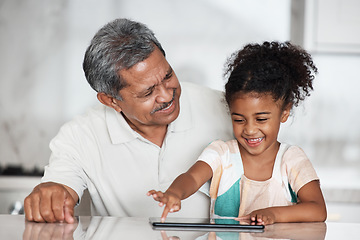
(165, 105)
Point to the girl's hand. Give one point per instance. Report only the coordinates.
(260, 217)
(171, 201)
(310, 208)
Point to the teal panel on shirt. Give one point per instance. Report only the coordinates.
(228, 203)
(293, 194)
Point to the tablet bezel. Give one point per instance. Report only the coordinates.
(203, 224)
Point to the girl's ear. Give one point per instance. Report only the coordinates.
(109, 101)
(286, 113)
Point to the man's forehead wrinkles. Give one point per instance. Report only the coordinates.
(140, 80)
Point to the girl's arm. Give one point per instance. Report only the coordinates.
(182, 187)
(311, 208)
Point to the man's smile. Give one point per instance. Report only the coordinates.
(165, 106)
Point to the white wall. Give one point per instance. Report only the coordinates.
(42, 84)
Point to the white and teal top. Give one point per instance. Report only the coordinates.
(236, 195)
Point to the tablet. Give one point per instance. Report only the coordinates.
(204, 224)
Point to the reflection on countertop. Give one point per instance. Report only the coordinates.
(15, 227)
(139, 228)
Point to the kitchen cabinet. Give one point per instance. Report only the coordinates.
(326, 26)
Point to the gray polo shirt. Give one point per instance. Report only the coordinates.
(99, 151)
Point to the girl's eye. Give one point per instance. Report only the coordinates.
(262, 119)
(238, 120)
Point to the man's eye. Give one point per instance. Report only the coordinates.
(148, 93)
(168, 76)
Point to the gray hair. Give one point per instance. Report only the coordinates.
(118, 45)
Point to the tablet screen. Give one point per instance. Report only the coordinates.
(218, 224)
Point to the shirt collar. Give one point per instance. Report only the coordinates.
(121, 132)
(119, 129)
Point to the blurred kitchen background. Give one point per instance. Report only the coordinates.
(42, 84)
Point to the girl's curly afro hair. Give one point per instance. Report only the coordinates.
(283, 70)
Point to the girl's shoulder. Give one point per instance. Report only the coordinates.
(295, 159)
(296, 168)
(293, 153)
(222, 147)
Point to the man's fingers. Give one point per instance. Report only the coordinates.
(63, 207)
(69, 210)
(50, 202)
(58, 203)
(35, 209)
(46, 205)
(27, 209)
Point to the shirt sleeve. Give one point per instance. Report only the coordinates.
(298, 167)
(213, 155)
(65, 164)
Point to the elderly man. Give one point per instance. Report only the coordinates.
(148, 129)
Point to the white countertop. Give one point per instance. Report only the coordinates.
(15, 227)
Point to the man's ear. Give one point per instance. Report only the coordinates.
(108, 101)
(286, 113)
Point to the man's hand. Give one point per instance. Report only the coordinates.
(171, 201)
(50, 202)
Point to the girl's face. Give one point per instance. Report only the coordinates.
(256, 121)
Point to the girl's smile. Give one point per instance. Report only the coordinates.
(256, 122)
(254, 142)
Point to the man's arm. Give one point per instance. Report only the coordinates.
(51, 202)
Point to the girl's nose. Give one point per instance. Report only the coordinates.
(250, 129)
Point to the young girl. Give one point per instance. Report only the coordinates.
(254, 177)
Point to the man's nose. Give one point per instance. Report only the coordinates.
(164, 94)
